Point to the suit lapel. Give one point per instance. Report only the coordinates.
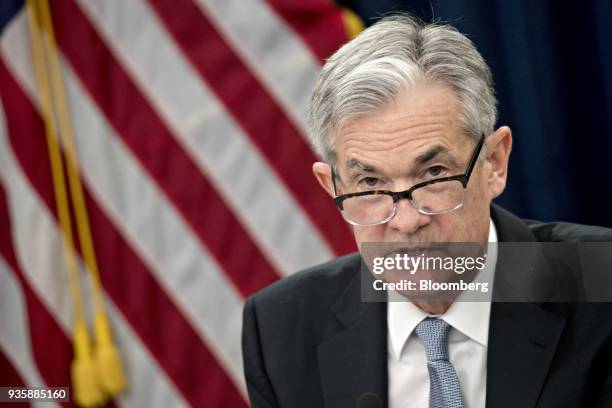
(354, 361)
(523, 336)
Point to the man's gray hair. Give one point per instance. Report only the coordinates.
(395, 54)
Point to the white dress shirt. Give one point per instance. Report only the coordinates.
(467, 345)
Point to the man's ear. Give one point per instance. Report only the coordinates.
(499, 146)
(322, 172)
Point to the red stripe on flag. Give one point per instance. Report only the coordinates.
(318, 22)
(156, 148)
(159, 323)
(9, 377)
(45, 333)
(256, 111)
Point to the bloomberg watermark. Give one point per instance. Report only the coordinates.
(504, 271)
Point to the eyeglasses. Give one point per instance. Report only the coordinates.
(433, 197)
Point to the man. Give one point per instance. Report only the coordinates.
(403, 117)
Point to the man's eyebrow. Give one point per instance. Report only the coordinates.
(423, 158)
(430, 154)
(354, 164)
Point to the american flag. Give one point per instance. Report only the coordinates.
(189, 119)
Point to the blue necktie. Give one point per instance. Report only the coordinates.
(444, 387)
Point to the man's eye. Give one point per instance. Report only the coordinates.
(435, 171)
(369, 181)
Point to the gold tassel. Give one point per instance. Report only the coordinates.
(98, 375)
(107, 358)
(352, 23)
(85, 383)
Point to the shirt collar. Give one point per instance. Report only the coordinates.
(470, 318)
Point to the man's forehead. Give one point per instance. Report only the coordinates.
(432, 103)
(420, 146)
(430, 112)
(383, 126)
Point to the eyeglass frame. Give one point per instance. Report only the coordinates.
(397, 195)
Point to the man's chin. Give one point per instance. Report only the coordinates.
(434, 307)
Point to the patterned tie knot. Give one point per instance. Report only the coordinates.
(433, 333)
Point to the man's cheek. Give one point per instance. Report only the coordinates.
(373, 233)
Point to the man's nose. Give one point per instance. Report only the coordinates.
(407, 219)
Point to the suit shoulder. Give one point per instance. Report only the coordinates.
(568, 232)
(313, 284)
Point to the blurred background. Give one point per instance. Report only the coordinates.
(188, 118)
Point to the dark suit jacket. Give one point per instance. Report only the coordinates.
(308, 340)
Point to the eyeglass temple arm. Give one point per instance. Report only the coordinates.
(333, 176)
(474, 158)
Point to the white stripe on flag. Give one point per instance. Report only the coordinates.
(272, 51)
(14, 330)
(35, 232)
(217, 144)
(169, 248)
